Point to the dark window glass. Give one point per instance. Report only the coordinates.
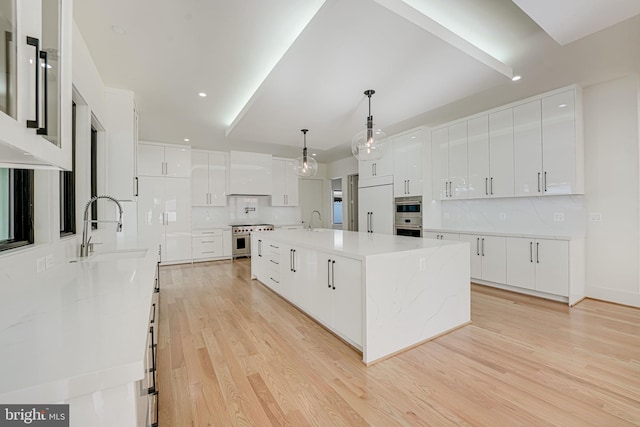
(94, 176)
(16, 208)
(68, 186)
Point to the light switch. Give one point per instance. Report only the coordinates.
(558, 216)
(596, 216)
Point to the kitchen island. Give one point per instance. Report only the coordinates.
(382, 294)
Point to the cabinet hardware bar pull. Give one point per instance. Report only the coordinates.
(483, 246)
(537, 252)
(276, 247)
(45, 96)
(329, 274)
(276, 263)
(545, 181)
(153, 316)
(294, 261)
(492, 186)
(372, 222)
(408, 186)
(136, 183)
(333, 274)
(32, 41)
(152, 389)
(290, 259)
(478, 246)
(538, 182)
(486, 186)
(274, 280)
(530, 251)
(260, 248)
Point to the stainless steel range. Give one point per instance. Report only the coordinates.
(241, 235)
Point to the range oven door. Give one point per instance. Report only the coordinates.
(408, 230)
(241, 245)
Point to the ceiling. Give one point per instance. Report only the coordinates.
(272, 68)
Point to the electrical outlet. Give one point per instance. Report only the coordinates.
(503, 216)
(423, 264)
(41, 264)
(596, 216)
(558, 216)
(49, 261)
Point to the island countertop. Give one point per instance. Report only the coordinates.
(81, 329)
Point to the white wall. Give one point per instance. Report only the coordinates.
(342, 169)
(613, 190)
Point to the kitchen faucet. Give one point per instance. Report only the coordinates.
(311, 220)
(85, 245)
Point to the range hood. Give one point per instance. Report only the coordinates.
(250, 174)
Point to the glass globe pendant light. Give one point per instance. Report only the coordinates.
(369, 144)
(304, 165)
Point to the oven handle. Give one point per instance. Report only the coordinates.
(408, 226)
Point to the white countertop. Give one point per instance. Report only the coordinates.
(82, 329)
(494, 233)
(350, 243)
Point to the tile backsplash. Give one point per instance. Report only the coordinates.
(550, 215)
(244, 210)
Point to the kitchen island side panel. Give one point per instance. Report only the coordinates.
(414, 296)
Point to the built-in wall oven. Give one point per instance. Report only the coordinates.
(241, 238)
(408, 216)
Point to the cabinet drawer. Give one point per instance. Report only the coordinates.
(207, 233)
(207, 247)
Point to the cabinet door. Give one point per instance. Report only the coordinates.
(199, 178)
(291, 184)
(559, 143)
(458, 161)
(321, 292)
(258, 259)
(493, 250)
(151, 210)
(527, 149)
(384, 166)
(346, 285)
(121, 144)
(501, 153)
(217, 179)
(407, 159)
(226, 244)
(552, 266)
(478, 153)
(431, 235)
(177, 208)
(450, 236)
(150, 160)
(475, 256)
(365, 170)
(278, 196)
(302, 268)
(440, 155)
(521, 270)
(177, 162)
(30, 25)
(376, 209)
(400, 162)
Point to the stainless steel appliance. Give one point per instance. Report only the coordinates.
(241, 237)
(408, 216)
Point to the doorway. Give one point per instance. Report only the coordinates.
(336, 203)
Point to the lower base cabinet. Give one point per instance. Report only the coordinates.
(326, 286)
(538, 264)
(488, 257)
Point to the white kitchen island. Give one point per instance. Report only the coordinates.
(380, 293)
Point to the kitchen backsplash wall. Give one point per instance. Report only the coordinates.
(244, 210)
(550, 215)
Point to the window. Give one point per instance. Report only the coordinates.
(68, 186)
(336, 200)
(94, 176)
(16, 208)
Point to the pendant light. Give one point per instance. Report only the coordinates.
(369, 144)
(304, 165)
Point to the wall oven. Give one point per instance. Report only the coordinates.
(408, 216)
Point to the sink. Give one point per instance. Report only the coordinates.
(112, 256)
(319, 230)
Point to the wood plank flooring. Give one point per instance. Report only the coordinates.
(233, 353)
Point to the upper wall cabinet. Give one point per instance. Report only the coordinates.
(285, 183)
(530, 148)
(121, 120)
(250, 173)
(35, 106)
(208, 178)
(371, 170)
(407, 163)
(164, 160)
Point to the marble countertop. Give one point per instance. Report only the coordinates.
(349, 243)
(493, 233)
(81, 329)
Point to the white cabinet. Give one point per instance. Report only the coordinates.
(299, 274)
(488, 257)
(207, 244)
(368, 170)
(538, 264)
(478, 151)
(449, 161)
(285, 183)
(501, 153)
(407, 158)
(527, 148)
(375, 211)
(121, 119)
(208, 178)
(250, 173)
(164, 215)
(164, 160)
(227, 244)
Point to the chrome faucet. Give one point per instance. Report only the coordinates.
(86, 244)
(311, 220)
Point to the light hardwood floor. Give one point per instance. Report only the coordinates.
(231, 352)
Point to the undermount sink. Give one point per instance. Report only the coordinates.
(112, 256)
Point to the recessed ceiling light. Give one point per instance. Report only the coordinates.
(187, 140)
(202, 94)
(516, 78)
(313, 154)
(562, 105)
